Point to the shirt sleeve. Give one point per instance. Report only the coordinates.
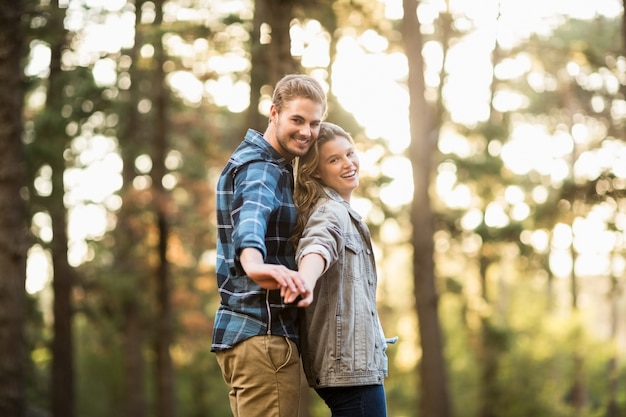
(256, 197)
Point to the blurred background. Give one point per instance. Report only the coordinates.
(491, 135)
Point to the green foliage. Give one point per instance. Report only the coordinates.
(201, 390)
(99, 365)
(539, 356)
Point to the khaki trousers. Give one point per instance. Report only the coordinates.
(263, 373)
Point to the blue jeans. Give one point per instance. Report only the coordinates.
(360, 401)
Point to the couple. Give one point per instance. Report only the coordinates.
(295, 268)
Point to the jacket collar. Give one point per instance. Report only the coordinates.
(334, 195)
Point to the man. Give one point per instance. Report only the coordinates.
(255, 335)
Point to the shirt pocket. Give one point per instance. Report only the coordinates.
(353, 252)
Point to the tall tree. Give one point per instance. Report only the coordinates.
(13, 232)
(128, 236)
(432, 369)
(270, 46)
(161, 201)
(52, 129)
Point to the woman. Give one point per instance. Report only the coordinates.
(343, 346)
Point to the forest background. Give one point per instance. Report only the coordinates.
(492, 140)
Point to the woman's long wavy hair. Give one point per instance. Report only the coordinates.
(309, 189)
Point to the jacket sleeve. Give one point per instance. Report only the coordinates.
(323, 234)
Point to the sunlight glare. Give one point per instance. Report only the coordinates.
(471, 219)
(390, 232)
(512, 68)
(173, 160)
(95, 182)
(393, 9)
(592, 264)
(240, 89)
(610, 157)
(373, 42)
(495, 215)
(311, 43)
(591, 236)
(446, 177)
(225, 93)
(560, 262)
(540, 194)
(43, 181)
(87, 221)
(428, 12)
(520, 212)
(38, 64)
(466, 93)
(559, 171)
(42, 226)
(110, 5)
(451, 142)
(79, 252)
(540, 240)
(38, 269)
(397, 167)
(460, 197)
(471, 244)
(186, 85)
(116, 33)
(105, 72)
(397, 193)
(143, 163)
(142, 182)
(169, 181)
(363, 206)
(506, 100)
(513, 194)
(618, 265)
(369, 159)
(375, 97)
(524, 151)
(561, 237)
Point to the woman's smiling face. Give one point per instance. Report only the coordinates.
(338, 166)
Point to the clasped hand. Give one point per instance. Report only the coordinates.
(273, 277)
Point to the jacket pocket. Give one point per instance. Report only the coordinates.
(352, 262)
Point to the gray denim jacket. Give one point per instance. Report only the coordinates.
(342, 340)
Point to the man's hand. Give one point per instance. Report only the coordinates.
(270, 276)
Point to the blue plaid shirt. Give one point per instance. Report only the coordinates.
(255, 209)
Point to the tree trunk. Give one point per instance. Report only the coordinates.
(259, 69)
(280, 62)
(612, 366)
(13, 231)
(62, 380)
(270, 61)
(128, 240)
(134, 365)
(165, 380)
(434, 392)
